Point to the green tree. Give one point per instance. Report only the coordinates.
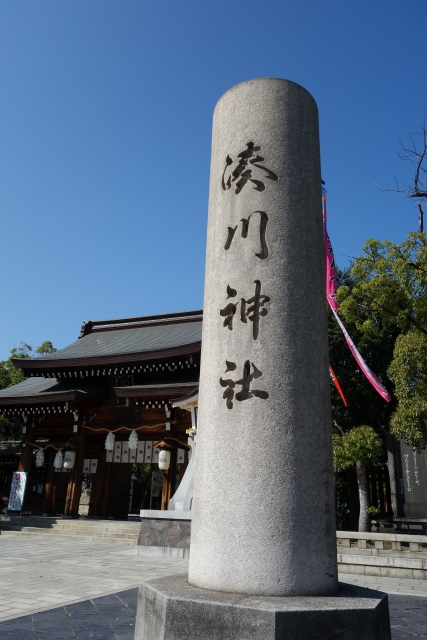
(45, 348)
(389, 288)
(365, 405)
(359, 447)
(10, 375)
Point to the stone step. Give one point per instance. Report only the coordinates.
(385, 565)
(106, 530)
(64, 532)
(37, 532)
(72, 525)
(102, 530)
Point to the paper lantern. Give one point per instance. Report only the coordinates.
(69, 459)
(164, 459)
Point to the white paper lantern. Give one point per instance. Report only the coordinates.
(164, 459)
(109, 441)
(57, 463)
(69, 459)
(133, 440)
(40, 458)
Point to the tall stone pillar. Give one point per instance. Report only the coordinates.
(263, 509)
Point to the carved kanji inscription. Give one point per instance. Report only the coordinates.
(246, 392)
(248, 166)
(252, 309)
(263, 253)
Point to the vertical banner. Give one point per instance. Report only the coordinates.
(337, 385)
(156, 453)
(132, 455)
(93, 465)
(373, 379)
(331, 270)
(109, 456)
(17, 491)
(86, 465)
(180, 459)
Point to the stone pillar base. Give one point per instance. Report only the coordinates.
(170, 609)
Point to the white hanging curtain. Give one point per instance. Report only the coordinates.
(109, 441)
(40, 458)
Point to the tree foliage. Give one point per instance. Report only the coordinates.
(389, 289)
(409, 373)
(389, 281)
(45, 348)
(10, 375)
(359, 444)
(365, 406)
(359, 448)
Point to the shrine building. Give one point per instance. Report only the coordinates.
(119, 376)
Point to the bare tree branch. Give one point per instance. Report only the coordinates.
(416, 154)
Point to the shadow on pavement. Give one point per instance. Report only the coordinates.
(109, 617)
(112, 617)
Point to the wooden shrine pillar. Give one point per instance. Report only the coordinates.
(49, 487)
(75, 482)
(27, 450)
(25, 458)
(169, 481)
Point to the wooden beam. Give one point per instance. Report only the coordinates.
(169, 481)
(75, 482)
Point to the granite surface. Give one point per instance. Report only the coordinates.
(171, 609)
(263, 510)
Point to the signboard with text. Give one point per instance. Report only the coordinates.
(17, 491)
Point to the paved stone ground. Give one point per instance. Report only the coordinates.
(38, 572)
(109, 617)
(55, 589)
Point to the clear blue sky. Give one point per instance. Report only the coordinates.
(105, 127)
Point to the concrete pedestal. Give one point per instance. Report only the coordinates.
(171, 609)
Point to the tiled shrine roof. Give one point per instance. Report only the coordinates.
(107, 342)
(38, 390)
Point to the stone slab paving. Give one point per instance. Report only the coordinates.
(38, 574)
(60, 589)
(110, 617)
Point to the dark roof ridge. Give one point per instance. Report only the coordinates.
(90, 326)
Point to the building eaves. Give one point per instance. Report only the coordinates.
(171, 390)
(91, 326)
(110, 347)
(41, 390)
